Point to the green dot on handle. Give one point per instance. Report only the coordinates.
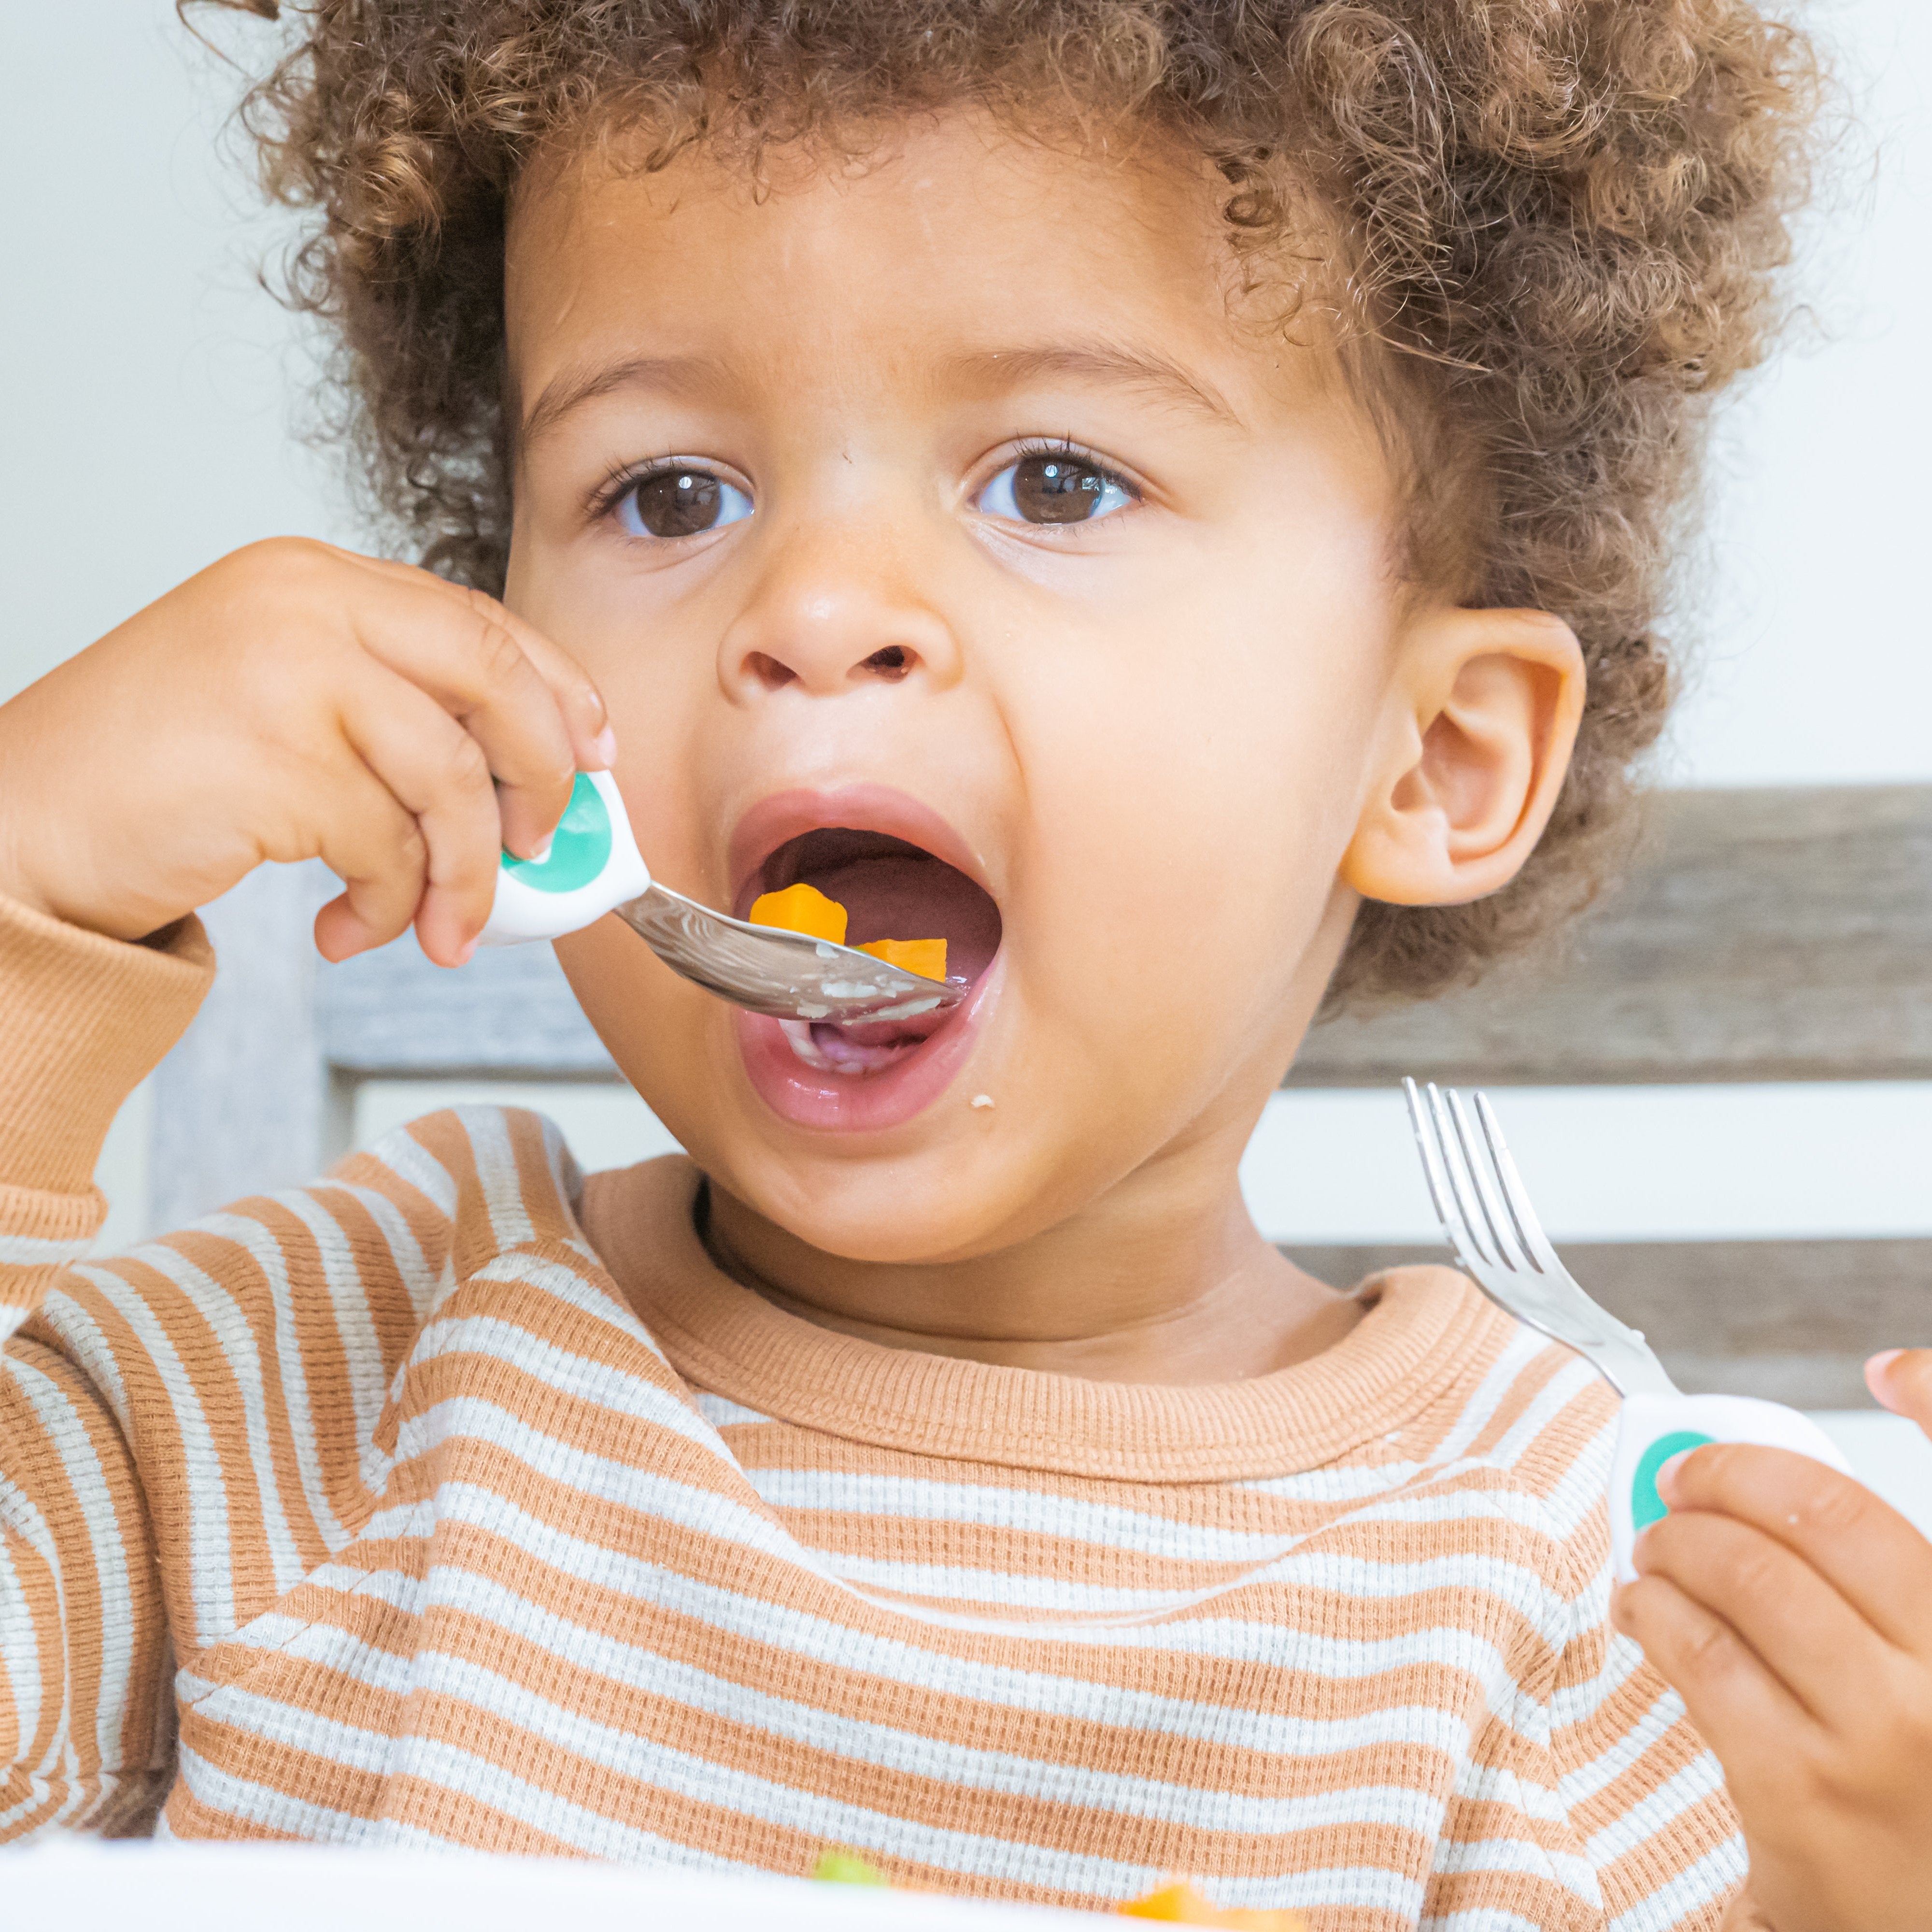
(578, 851)
(1647, 1507)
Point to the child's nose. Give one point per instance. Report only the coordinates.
(837, 612)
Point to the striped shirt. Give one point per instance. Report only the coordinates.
(387, 1511)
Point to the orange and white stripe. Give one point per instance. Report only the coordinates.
(455, 1543)
(384, 1512)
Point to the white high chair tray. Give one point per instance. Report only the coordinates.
(77, 1885)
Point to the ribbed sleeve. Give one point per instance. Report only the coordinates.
(83, 1019)
(85, 1738)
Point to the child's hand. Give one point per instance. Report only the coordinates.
(295, 701)
(1792, 1610)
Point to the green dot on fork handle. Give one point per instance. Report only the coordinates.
(1647, 1507)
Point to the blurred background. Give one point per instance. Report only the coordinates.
(155, 395)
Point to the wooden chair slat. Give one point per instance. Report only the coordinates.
(1790, 1320)
(1771, 934)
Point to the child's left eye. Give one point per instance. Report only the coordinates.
(1052, 487)
(678, 501)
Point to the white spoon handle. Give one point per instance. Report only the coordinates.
(593, 865)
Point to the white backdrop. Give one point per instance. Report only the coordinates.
(151, 385)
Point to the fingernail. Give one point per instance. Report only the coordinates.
(604, 748)
(539, 853)
(466, 954)
(1876, 1371)
(1666, 1476)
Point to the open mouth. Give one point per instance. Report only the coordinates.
(891, 889)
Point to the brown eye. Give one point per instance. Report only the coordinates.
(680, 503)
(1054, 487)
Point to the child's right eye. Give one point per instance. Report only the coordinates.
(679, 501)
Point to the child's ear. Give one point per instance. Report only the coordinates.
(1483, 716)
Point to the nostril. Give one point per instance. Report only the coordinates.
(891, 663)
(768, 671)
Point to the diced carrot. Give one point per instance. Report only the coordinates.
(926, 957)
(1181, 1904)
(801, 908)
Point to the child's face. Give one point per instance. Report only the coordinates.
(1135, 691)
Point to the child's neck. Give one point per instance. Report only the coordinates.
(1136, 1287)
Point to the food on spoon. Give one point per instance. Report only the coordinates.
(802, 908)
(1181, 1904)
(926, 957)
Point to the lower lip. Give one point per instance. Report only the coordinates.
(862, 1103)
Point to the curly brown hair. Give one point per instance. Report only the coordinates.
(1559, 221)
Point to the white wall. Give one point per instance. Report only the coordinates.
(149, 388)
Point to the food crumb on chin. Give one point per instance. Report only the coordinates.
(982, 1100)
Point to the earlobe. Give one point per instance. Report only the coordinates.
(1483, 711)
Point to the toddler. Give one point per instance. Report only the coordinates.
(1169, 498)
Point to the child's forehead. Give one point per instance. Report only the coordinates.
(950, 237)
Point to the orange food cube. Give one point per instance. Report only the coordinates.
(801, 908)
(926, 957)
(1181, 1904)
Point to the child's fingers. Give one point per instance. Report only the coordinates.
(1734, 1700)
(1901, 1378)
(579, 701)
(481, 664)
(376, 849)
(438, 773)
(1862, 1548)
(1804, 1630)
(470, 661)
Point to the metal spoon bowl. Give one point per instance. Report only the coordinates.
(767, 969)
(593, 867)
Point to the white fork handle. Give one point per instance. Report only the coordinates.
(593, 865)
(1655, 1428)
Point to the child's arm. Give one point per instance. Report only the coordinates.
(1792, 1610)
(292, 700)
(83, 1637)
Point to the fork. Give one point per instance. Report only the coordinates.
(1484, 1209)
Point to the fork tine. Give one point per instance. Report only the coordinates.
(1436, 1172)
(1480, 1181)
(1516, 1196)
(1432, 1159)
(1455, 1167)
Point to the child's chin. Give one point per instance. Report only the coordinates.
(831, 1089)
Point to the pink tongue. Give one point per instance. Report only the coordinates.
(896, 896)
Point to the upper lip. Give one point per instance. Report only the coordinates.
(862, 807)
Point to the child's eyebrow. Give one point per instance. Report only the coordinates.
(569, 389)
(1097, 362)
(997, 368)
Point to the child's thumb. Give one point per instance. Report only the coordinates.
(1901, 1378)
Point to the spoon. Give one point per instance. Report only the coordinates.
(593, 867)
